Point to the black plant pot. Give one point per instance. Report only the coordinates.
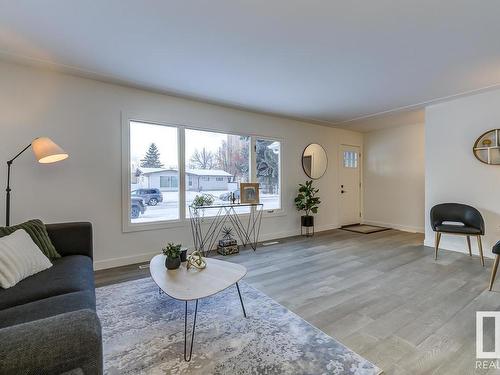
(307, 221)
(172, 263)
(184, 255)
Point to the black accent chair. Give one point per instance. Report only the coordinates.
(495, 250)
(470, 217)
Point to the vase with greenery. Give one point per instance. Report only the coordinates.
(201, 201)
(173, 255)
(308, 202)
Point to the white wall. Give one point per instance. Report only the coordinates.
(452, 172)
(84, 116)
(393, 177)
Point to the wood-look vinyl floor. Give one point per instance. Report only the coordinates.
(381, 294)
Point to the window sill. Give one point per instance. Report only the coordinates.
(154, 225)
(274, 213)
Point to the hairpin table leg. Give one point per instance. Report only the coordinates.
(185, 331)
(241, 300)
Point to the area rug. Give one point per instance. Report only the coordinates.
(364, 228)
(143, 333)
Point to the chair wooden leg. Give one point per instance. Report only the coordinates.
(438, 238)
(494, 271)
(468, 244)
(480, 245)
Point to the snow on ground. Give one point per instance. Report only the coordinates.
(169, 208)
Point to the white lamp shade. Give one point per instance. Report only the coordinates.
(46, 151)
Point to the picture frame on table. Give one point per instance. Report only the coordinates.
(249, 193)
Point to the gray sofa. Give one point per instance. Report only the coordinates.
(48, 321)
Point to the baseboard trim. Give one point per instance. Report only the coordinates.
(123, 261)
(404, 228)
(146, 257)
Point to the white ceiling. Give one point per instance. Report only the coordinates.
(328, 61)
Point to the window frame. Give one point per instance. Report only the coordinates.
(127, 225)
(351, 157)
(183, 220)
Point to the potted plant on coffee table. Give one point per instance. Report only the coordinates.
(307, 202)
(173, 256)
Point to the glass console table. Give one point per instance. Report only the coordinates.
(207, 230)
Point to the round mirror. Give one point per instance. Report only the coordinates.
(314, 161)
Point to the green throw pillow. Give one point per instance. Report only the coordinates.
(38, 233)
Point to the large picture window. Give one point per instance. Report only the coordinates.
(214, 164)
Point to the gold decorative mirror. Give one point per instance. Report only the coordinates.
(487, 147)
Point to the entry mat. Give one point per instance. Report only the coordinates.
(364, 228)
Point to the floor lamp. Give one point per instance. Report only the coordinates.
(46, 151)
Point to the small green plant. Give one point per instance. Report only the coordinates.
(172, 250)
(307, 200)
(203, 200)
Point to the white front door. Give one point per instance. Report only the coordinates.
(350, 189)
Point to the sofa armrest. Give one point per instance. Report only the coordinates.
(53, 345)
(72, 238)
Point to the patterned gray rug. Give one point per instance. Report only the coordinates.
(143, 333)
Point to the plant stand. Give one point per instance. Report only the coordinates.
(307, 222)
(307, 232)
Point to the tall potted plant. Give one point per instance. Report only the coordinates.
(307, 202)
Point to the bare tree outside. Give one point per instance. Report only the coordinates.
(233, 158)
(203, 159)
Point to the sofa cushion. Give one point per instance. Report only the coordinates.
(47, 307)
(68, 274)
(459, 229)
(38, 233)
(20, 258)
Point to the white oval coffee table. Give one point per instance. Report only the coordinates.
(193, 284)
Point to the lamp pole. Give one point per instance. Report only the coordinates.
(8, 190)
